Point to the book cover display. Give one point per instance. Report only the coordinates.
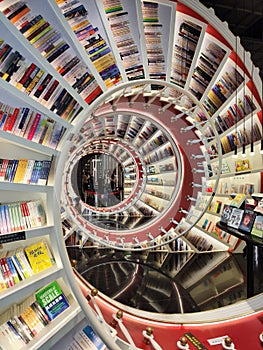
(226, 213)
(247, 220)
(257, 229)
(52, 300)
(39, 256)
(235, 218)
(86, 338)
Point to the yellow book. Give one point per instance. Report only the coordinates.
(39, 256)
(238, 200)
(76, 27)
(21, 170)
(35, 80)
(36, 38)
(48, 133)
(34, 27)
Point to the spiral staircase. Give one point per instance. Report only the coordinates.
(145, 124)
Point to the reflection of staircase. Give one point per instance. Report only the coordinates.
(163, 281)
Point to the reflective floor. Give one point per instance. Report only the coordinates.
(164, 282)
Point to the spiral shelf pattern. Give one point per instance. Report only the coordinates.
(150, 99)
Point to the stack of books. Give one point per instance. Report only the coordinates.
(31, 125)
(243, 136)
(20, 216)
(31, 318)
(92, 41)
(184, 49)
(207, 66)
(27, 171)
(234, 113)
(18, 265)
(126, 45)
(229, 81)
(135, 126)
(55, 49)
(153, 36)
(200, 243)
(35, 82)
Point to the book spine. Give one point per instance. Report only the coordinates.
(26, 76)
(27, 127)
(27, 271)
(7, 273)
(12, 270)
(34, 126)
(18, 266)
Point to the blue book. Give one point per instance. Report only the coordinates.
(13, 170)
(3, 120)
(44, 172)
(93, 338)
(35, 173)
(25, 112)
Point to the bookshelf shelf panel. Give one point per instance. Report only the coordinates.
(188, 34)
(24, 288)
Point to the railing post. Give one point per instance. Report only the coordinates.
(182, 344)
(148, 338)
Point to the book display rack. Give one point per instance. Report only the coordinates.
(124, 124)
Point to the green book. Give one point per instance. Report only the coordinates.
(52, 300)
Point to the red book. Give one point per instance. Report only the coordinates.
(231, 116)
(51, 90)
(3, 169)
(27, 74)
(7, 121)
(25, 213)
(34, 126)
(4, 49)
(11, 120)
(7, 273)
(93, 95)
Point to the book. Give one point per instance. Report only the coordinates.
(52, 300)
(238, 200)
(18, 266)
(12, 268)
(88, 339)
(32, 319)
(259, 200)
(33, 128)
(247, 221)
(226, 213)
(17, 324)
(39, 256)
(235, 217)
(20, 171)
(242, 165)
(13, 170)
(23, 263)
(9, 339)
(257, 228)
(36, 171)
(24, 327)
(8, 277)
(44, 172)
